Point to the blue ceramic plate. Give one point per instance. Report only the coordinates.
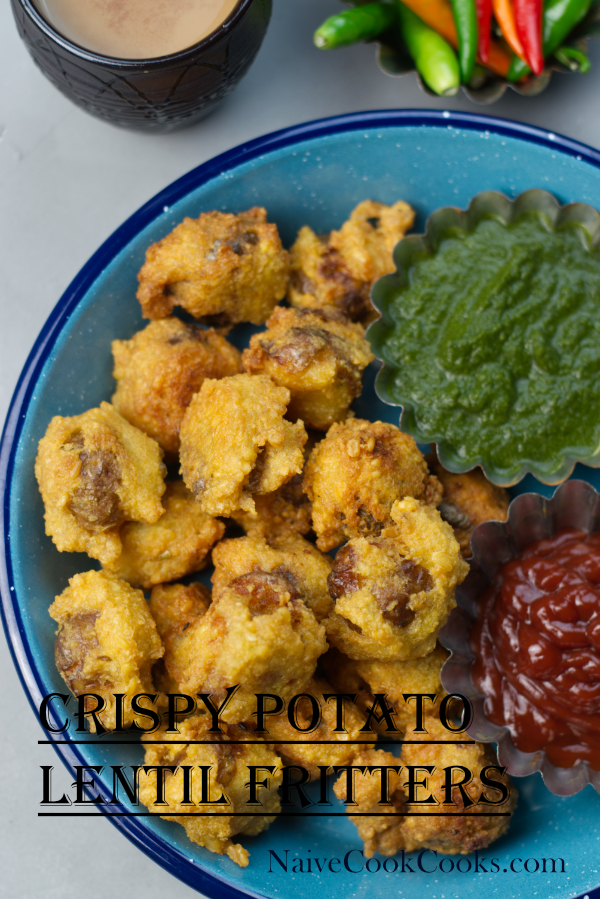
(313, 174)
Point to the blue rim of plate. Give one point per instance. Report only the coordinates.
(167, 856)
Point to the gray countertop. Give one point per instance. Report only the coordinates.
(66, 182)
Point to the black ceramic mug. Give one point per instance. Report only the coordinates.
(160, 94)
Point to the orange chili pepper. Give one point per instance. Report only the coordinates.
(505, 18)
(438, 15)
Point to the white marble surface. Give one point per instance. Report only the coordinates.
(66, 181)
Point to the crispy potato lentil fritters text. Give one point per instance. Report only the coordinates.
(283, 617)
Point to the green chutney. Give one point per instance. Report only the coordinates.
(495, 347)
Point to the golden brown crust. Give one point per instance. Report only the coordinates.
(221, 268)
(236, 443)
(258, 634)
(461, 834)
(287, 555)
(394, 593)
(393, 679)
(96, 471)
(229, 778)
(174, 607)
(355, 475)
(338, 271)
(159, 370)
(317, 356)
(287, 508)
(106, 641)
(176, 545)
(379, 833)
(469, 499)
(396, 828)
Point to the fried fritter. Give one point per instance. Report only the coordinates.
(309, 755)
(174, 607)
(396, 829)
(339, 270)
(259, 634)
(469, 499)
(318, 356)
(287, 508)
(286, 555)
(228, 779)
(106, 641)
(393, 593)
(393, 679)
(159, 370)
(355, 475)
(96, 471)
(221, 268)
(461, 834)
(236, 443)
(380, 833)
(176, 545)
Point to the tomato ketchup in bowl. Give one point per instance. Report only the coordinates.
(536, 644)
(525, 639)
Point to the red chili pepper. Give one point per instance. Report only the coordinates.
(528, 21)
(484, 20)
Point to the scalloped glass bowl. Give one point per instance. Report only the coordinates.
(442, 224)
(531, 517)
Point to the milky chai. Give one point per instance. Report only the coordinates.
(135, 29)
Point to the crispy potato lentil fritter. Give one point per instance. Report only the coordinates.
(259, 634)
(355, 475)
(221, 268)
(469, 499)
(106, 641)
(160, 369)
(393, 593)
(287, 555)
(177, 544)
(96, 471)
(319, 357)
(338, 270)
(396, 829)
(229, 779)
(235, 442)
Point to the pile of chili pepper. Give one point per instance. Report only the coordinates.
(525, 34)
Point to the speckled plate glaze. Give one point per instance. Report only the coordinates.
(443, 224)
(310, 174)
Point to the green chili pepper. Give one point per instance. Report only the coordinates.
(359, 24)
(465, 19)
(573, 59)
(560, 18)
(434, 58)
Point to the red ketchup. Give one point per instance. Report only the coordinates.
(537, 648)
